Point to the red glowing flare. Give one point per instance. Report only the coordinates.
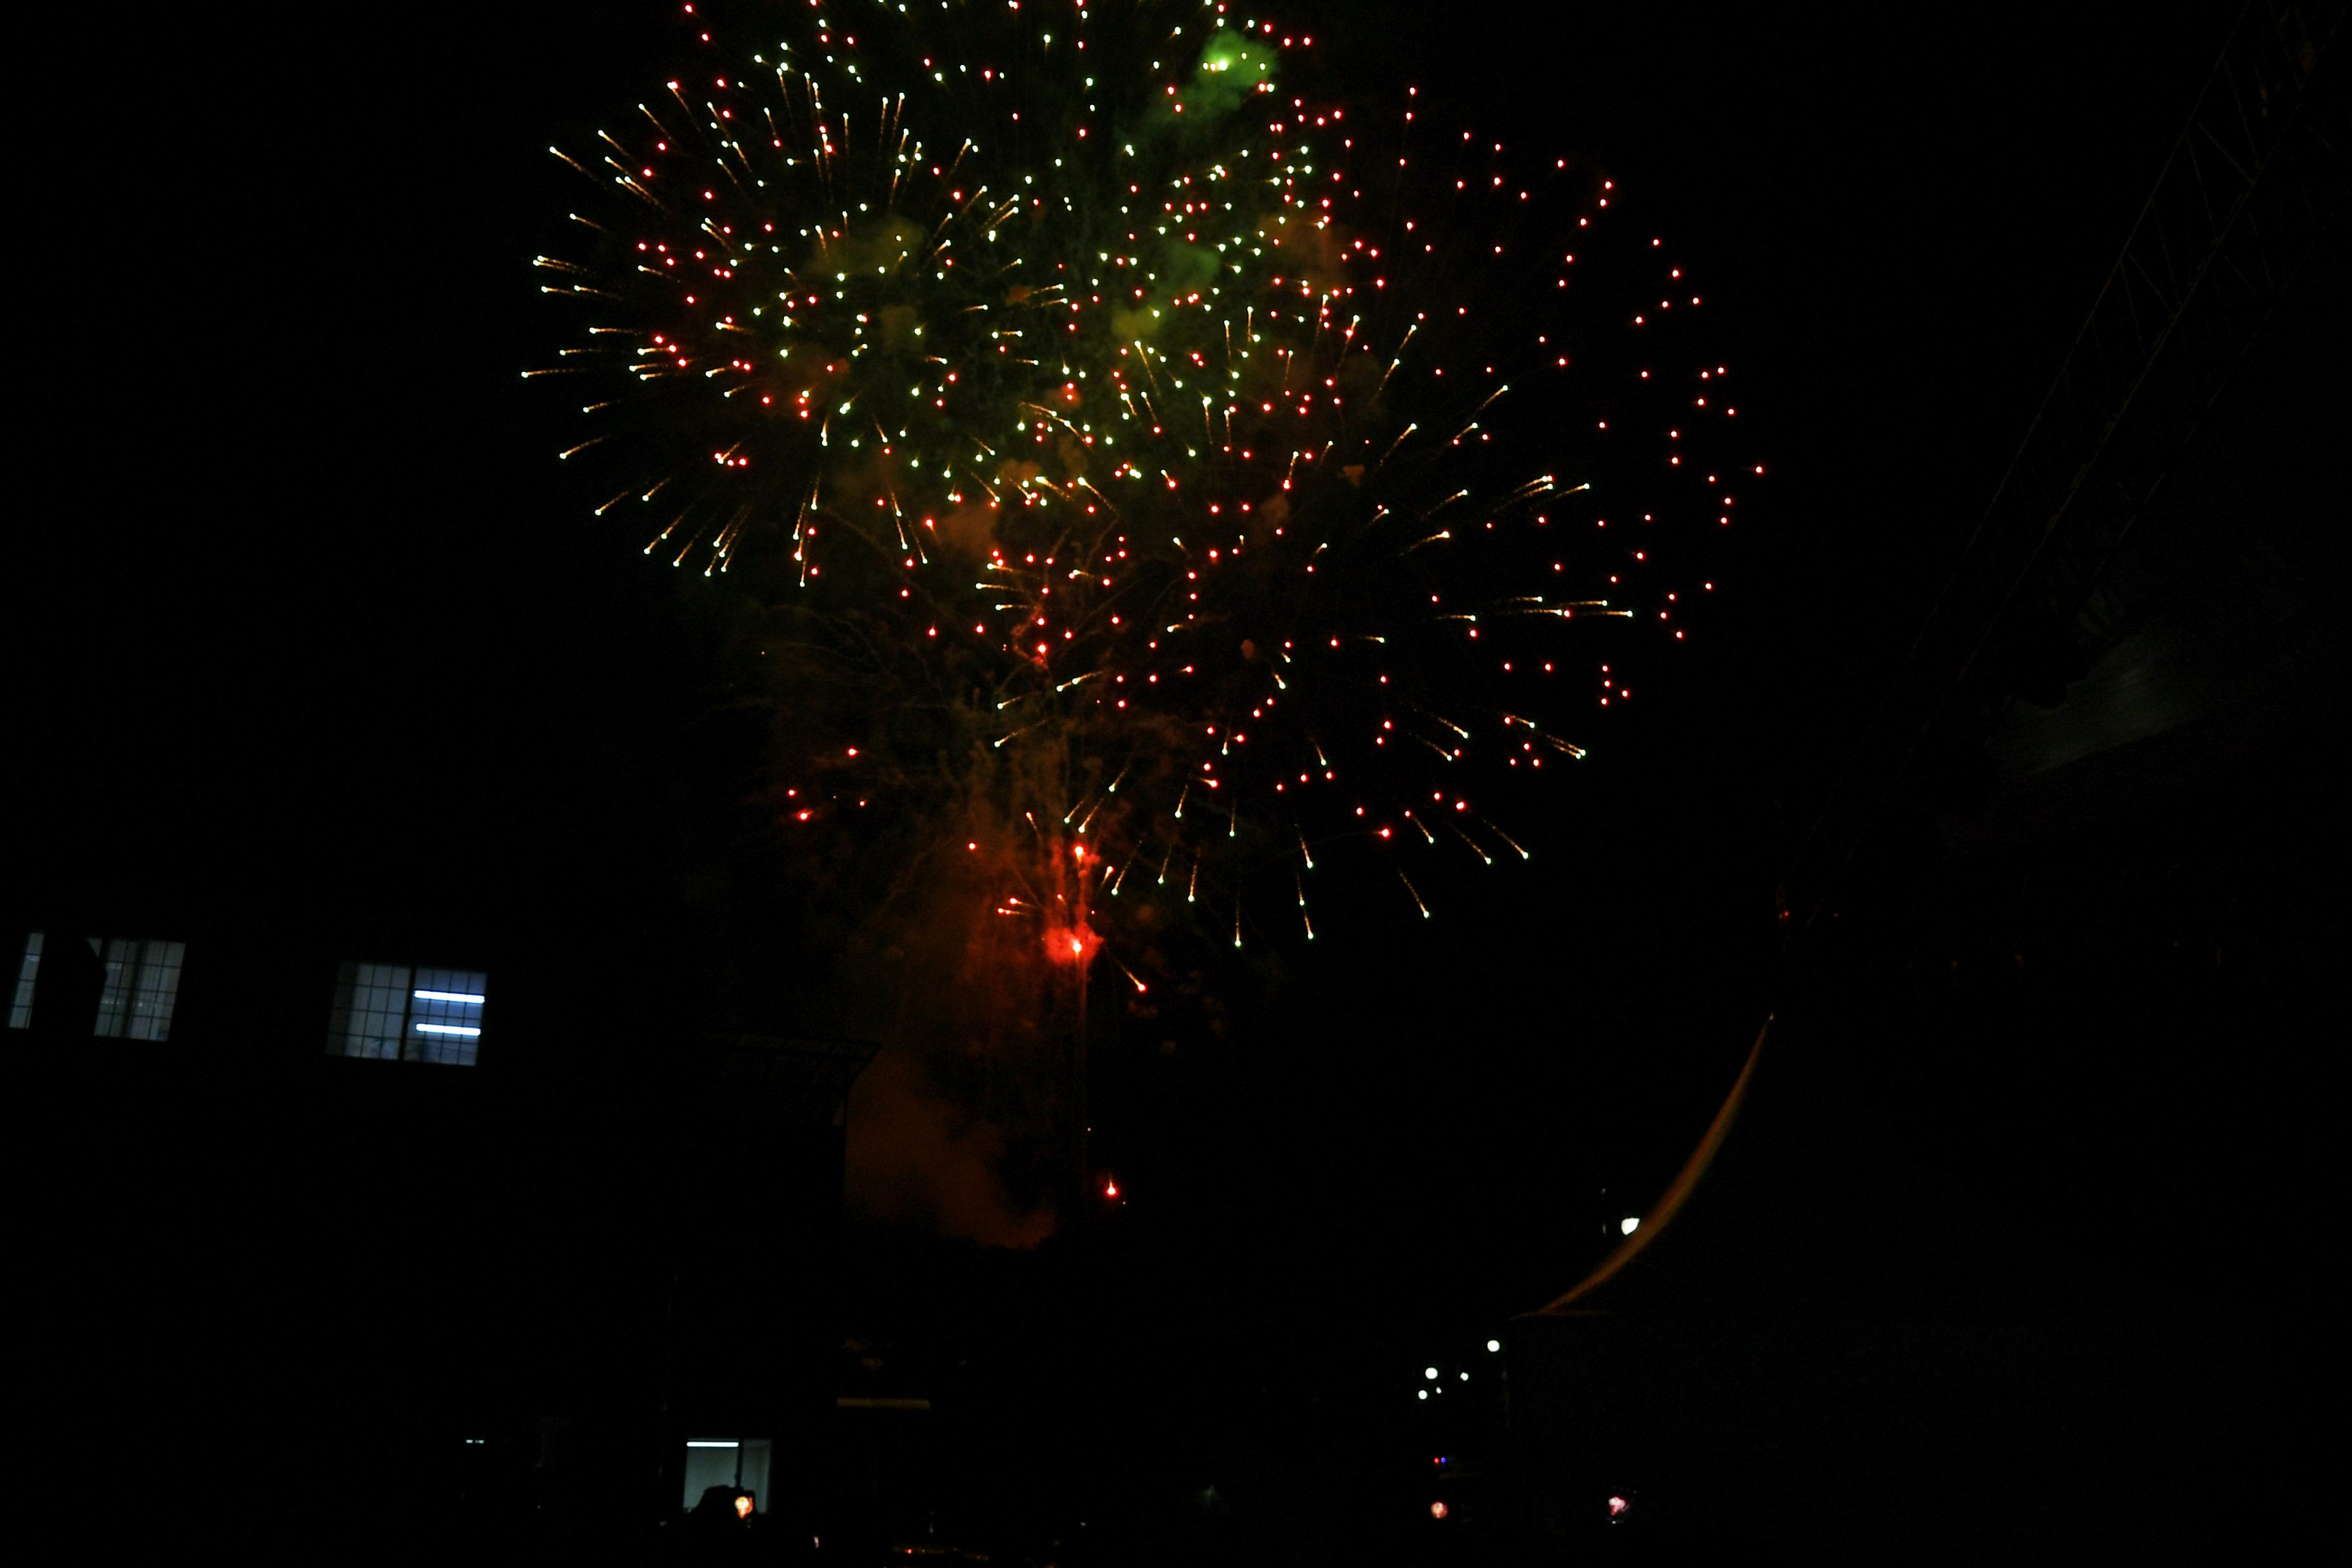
(1071, 945)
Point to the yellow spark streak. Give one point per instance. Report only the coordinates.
(1400, 441)
(1504, 838)
(1023, 730)
(1416, 892)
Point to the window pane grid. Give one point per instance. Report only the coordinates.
(445, 1015)
(154, 990)
(114, 1001)
(28, 968)
(393, 1013)
(142, 980)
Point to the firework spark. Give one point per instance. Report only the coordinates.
(1229, 477)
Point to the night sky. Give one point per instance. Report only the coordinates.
(310, 624)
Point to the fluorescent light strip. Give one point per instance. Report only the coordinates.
(445, 1029)
(445, 997)
(692, 1444)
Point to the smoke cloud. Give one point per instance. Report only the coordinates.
(918, 1158)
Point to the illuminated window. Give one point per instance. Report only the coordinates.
(738, 1463)
(393, 1013)
(142, 980)
(28, 967)
(141, 983)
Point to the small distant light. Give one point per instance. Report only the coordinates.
(1617, 1507)
(1628, 1225)
(1465, 1377)
(1494, 1345)
(1437, 1510)
(1430, 1372)
(1423, 1393)
(742, 1505)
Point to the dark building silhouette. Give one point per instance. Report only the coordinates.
(414, 1253)
(2011, 1235)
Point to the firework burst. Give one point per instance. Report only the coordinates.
(1199, 479)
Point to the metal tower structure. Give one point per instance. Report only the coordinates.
(2254, 181)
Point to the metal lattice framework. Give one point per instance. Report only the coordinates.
(2255, 178)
